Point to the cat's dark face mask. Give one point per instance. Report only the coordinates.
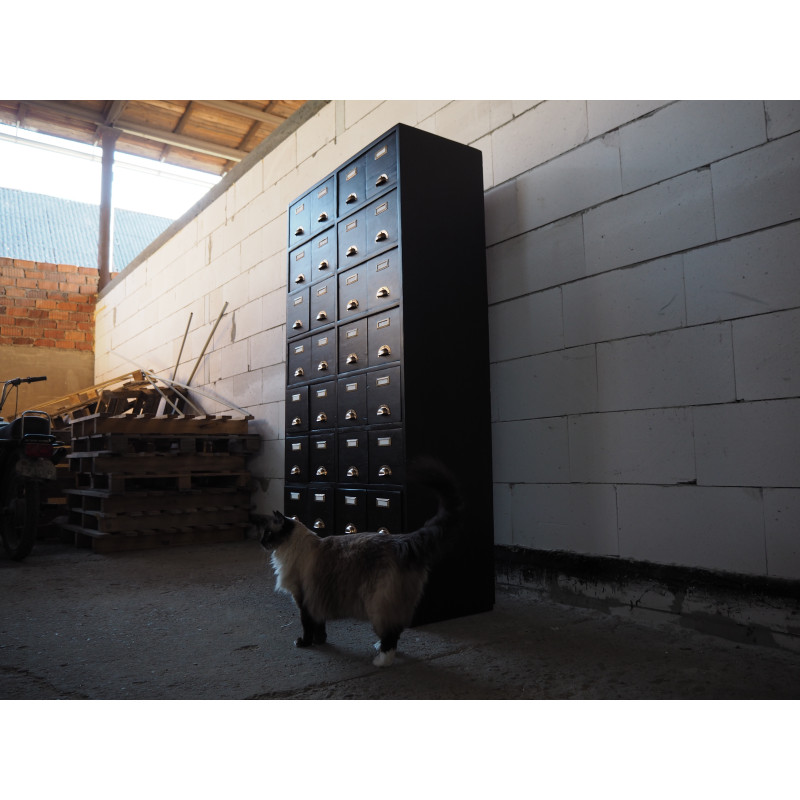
(276, 529)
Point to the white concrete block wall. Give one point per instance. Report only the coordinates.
(644, 316)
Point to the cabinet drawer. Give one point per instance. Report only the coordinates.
(386, 462)
(322, 303)
(322, 457)
(381, 164)
(297, 410)
(384, 511)
(296, 459)
(322, 405)
(323, 353)
(383, 279)
(384, 337)
(300, 219)
(322, 252)
(353, 346)
(352, 401)
(352, 236)
(300, 268)
(352, 184)
(299, 369)
(353, 457)
(351, 511)
(381, 219)
(323, 207)
(383, 396)
(321, 511)
(295, 502)
(297, 313)
(353, 297)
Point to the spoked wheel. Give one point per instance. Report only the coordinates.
(20, 518)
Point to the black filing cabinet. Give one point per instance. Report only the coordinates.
(387, 353)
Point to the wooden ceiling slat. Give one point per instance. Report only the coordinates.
(242, 110)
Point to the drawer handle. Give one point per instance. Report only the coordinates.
(323, 264)
(322, 417)
(299, 372)
(352, 250)
(352, 305)
(295, 470)
(300, 278)
(382, 292)
(318, 525)
(384, 178)
(352, 472)
(322, 472)
(382, 236)
(384, 531)
(297, 421)
(322, 217)
(351, 529)
(351, 198)
(384, 471)
(352, 359)
(322, 315)
(299, 232)
(383, 411)
(384, 350)
(322, 366)
(351, 414)
(298, 323)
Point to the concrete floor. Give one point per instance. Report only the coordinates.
(203, 622)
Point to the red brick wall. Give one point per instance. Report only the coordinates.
(47, 305)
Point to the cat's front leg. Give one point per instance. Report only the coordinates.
(310, 629)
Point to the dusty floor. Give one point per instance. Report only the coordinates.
(203, 622)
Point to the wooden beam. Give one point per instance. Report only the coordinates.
(179, 140)
(114, 111)
(241, 110)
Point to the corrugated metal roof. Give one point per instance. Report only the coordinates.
(36, 227)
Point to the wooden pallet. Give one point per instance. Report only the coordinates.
(126, 443)
(120, 542)
(143, 481)
(107, 513)
(160, 425)
(88, 500)
(146, 464)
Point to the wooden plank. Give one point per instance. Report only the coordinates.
(167, 442)
(115, 543)
(150, 523)
(156, 463)
(184, 482)
(98, 423)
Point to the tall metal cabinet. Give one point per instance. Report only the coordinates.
(388, 356)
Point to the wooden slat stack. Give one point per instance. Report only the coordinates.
(143, 481)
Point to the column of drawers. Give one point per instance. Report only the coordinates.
(386, 266)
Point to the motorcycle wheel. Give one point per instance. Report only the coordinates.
(22, 519)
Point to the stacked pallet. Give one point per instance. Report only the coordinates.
(152, 481)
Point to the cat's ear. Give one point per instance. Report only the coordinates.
(279, 516)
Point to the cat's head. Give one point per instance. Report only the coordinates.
(274, 529)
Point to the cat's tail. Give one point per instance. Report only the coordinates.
(431, 542)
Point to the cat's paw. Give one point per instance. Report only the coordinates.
(301, 642)
(384, 658)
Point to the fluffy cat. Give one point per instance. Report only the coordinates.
(371, 576)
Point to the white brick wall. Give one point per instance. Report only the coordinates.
(644, 316)
(711, 528)
(686, 136)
